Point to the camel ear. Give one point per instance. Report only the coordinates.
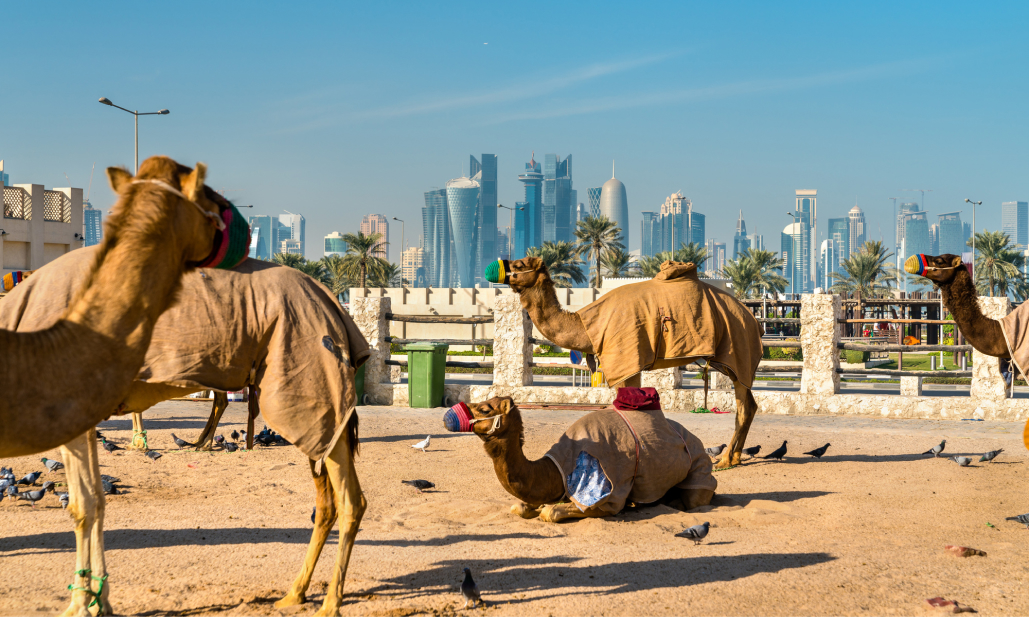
(956, 262)
(535, 263)
(193, 184)
(118, 178)
(505, 405)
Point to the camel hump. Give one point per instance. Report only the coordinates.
(671, 270)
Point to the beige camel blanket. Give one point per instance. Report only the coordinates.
(670, 321)
(668, 456)
(280, 323)
(1015, 326)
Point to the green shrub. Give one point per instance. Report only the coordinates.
(856, 357)
(783, 353)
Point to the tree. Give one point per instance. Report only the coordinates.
(385, 274)
(596, 235)
(563, 261)
(337, 278)
(768, 265)
(743, 273)
(868, 272)
(617, 263)
(360, 258)
(694, 252)
(313, 269)
(997, 264)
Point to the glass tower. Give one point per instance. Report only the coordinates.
(529, 222)
(950, 236)
(740, 241)
(92, 225)
(916, 234)
(485, 174)
(436, 238)
(651, 235)
(463, 204)
(557, 199)
(839, 233)
(593, 195)
(335, 245)
(1014, 221)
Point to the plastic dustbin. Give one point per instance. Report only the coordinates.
(426, 372)
(359, 383)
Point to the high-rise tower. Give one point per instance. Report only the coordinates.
(463, 202)
(857, 230)
(740, 241)
(529, 213)
(485, 174)
(1014, 221)
(377, 224)
(615, 205)
(557, 199)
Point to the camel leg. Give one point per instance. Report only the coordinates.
(139, 441)
(206, 440)
(635, 381)
(351, 504)
(746, 407)
(524, 510)
(557, 512)
(86, 505)
(324, 519)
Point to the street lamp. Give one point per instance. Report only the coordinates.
(974, 204)
(403, 240)
(164, 112)
(510, 230)
(793, 269)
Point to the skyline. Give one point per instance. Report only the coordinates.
(895, 98)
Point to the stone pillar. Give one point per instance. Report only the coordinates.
(370, 316)
(819, 339)
(987, 383)
(662, 379)
(911, 386)
(512, 345)
(719, 381)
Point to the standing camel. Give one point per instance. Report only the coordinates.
(670, 321)
(257, 324)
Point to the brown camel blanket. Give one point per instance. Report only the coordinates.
(670, 321)
(640, 456)
(273, 320)
(1015, 326)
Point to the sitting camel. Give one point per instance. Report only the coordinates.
(257, 324)
(670, 321)
(1001, 338)
(605, 459)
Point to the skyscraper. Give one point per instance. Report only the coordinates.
(614, 204)
(951, 235)
(789, 247)
(412, 261)
(740, 241)
(807, 205)
(463, 202)
(934, 239)
(698, 227)
(377, 224)
(335, 245)
(857, 230)
(557, 198)
(839, 233)
(486, 221)
(757, 242)
(916, 234)
(830, 262)
(902, 211)
(268, 236)
(92, 225)
(1014, 221)
(529, 213)
(594, 198)
(651, 240)
(436, 238)
(715, 257)
(294, 230)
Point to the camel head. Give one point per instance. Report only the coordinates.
(499, 417)
(940, 270)
(520, 274)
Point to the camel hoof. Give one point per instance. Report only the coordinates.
(293, 599)
(327, 612)
(525, 511)
(76, 610)
(549, 514)
(727, 461)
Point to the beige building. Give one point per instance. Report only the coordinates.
(292, 247)
(39, 225)
(411, 259)
(377, 224)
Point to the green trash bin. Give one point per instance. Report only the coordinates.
(426, 371)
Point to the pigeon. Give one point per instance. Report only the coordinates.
(4, 483)
(99, 436)
(49, 486)
(53, 465)
(695, 533)
(153, 455)
(234, 435)
(110, 447)
(5, 470)
(421, 485)
(752, 451)
(32, 496)
(64, 499)
(422, 445)
(989, 456)
(218, 439)
(778, 454)
(819, 452)
(30, 479)
(1021, 518)
(12, 491)
(231, 447)
(180, 443)
(935, 451)
(961, 460)
(109, 487)
(715, 451)
(469, 589)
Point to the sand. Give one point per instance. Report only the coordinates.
(860, 531)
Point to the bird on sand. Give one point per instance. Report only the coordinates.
(110, 447)
(234, 435)
(421, 485)
(469, 590)
(423, 444)
(961, 460)
(49, 486)
(715, 451)
(108, 484)
(989, 456)
(30, 479)
(32, 496)
(695, 533)
(64, 499)
(778, 454)
(1021, 518)
(818, 452)
(935, 450)
(52, 465)
(219, 439)
(179, 442)
(230, 447)
(153, 455)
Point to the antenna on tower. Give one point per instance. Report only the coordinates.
(612, 168)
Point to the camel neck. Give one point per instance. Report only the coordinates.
(560, 327)
(534, 482)
(962, 300)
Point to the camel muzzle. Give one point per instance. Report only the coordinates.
(459, 419)
(499, 272)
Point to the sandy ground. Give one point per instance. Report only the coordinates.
(860, 531)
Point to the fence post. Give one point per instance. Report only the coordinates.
(911, 386)
(987, 382)
(819, 339)
(512, 344)
(370, 316)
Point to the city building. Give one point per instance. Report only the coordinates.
(529, 213)
(593, 195)
(1014, 221)
(967, 229)
(294, 230)
(615, 205)
(951, 235)
(265, 236)
(581, 212)
(503, 243)
(934, 239)
(39, 225)
(902, 212)
(715, 257)
(916, 235)
(829, 263)
(807, 206)
(857, 230)
(839, 233)
(290, 246)
(757, 242)
(678, 224)
(92, 224)
(463, 202)
(436, 238)
(377, 224)
(790, 243)
(557, 199)
(740, 241)
(651, 240)
(485, 173)
(412, 267)
(335, 245)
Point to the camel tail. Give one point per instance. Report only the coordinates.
(352, 434)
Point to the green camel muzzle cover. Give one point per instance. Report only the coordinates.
(232, 244)
(499, 272)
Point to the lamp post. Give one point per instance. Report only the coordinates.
(793, 257)
(510, 230)
(164, 112)
(974, 204)
(403, 240)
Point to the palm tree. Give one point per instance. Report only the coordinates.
(694, 252)
(743, 273)
(868, 272)
(997, 264)
(385, 274)
(313, 269)
(563, 261)
(337, 279)
(288, 259)
(650, 266)
(768, 265)
(360, 257)
(597, 234)
(617, 263)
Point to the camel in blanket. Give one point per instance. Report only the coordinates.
(670, 321)
(257, 324)
(604, 460)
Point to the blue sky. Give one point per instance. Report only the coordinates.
(336, 110)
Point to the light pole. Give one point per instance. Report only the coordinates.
(793, 257)
(974, 204)
(164, 112)
(403, 239)
(510, 230)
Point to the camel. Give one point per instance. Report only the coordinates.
(540, 487)
(261, 325)
(702, 322)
